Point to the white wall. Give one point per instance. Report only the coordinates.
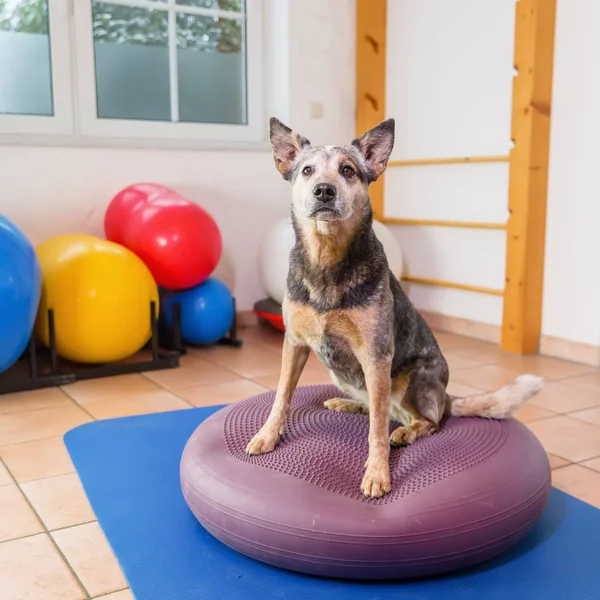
(572, 276)
(449, 87)
(53, 190)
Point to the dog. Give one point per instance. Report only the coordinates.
(344, 303)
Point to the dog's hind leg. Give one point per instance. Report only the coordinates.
(407, 434)
(422, 404)
(343, 405)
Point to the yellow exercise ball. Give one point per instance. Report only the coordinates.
(100, 293)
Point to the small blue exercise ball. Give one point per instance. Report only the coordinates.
(207, 312)
(20, 287)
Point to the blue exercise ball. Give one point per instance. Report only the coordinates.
(20, 287)
(207, 311)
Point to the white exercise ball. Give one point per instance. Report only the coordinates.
(392, 249)
(274, 259)
(274, 256)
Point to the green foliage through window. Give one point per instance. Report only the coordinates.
(132, 25)
(27, 16)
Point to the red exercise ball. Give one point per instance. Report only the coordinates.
(177, 239)
(125, 202)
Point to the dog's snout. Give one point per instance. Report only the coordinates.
(324, 192)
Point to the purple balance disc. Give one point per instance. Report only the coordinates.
(459, 497)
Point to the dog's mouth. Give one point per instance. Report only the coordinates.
(325, 213)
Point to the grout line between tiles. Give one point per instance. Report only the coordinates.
(44, 439)
(180, 397)
(125, 589)
(542, 419)
(565, 380)
(20, 483)
(52, 540)
(579, 464)
(85, 410)
(28, 410)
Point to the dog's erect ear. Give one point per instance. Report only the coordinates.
(286, 144)
(376, 146)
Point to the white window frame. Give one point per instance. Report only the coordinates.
(61, 121)
(90, 126)
(75, 120)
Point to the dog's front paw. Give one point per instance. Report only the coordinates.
(264, 441)
(377, 480)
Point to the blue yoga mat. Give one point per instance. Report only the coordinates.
(130, 471)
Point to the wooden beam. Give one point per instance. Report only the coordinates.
(371, 26)
(421, 162)
(530, 132)
(442, 223)
(453, 285)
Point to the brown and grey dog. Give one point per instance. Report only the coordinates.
(344, 303)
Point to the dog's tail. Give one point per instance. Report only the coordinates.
(501, 404)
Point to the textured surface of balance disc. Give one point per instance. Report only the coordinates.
(459, 497)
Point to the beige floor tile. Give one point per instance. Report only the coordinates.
(568, 438)
(40, 424)
(461, 390)
(591, 415)
(5, 478)
(488, 377)
(266, 337)
(556, 462)
(579, 482)
(193, 371)
(90, 556)
(457, 361)
(269, 381)
(134, 403)
(528, 413)
(553, 368)
(224, 393)
(35, 460)
(478, 355)
(16, 517)
(250, 363)
(450, 341)
(59, 501)
(594, 464)
(587, 382)
(312, 375)
(561, 397)
(32, 569)
(33, 400)
(109, 387)
(545, 366)
(122, 595)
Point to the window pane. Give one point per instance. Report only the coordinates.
(25, 63)
(211, 67)
(132, 62)
(232, 5)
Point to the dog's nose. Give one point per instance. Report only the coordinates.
(324, 192)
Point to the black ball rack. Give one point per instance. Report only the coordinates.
(40, 367)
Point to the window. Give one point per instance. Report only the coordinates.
(35, 90)
(154, 69)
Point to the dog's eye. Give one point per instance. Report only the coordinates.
(307, 171)
(347, 171)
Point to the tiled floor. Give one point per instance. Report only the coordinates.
(50, 544)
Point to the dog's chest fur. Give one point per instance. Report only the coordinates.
(341, 307)
(331, 335)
